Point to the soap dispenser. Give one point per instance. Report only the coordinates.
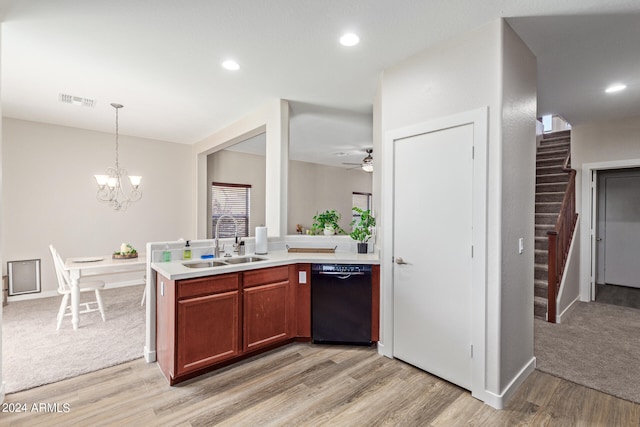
(166, 254)
(187, 251)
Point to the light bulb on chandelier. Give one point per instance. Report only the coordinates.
(117, 188)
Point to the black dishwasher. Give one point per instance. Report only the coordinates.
(341, 304)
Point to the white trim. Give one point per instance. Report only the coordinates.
(567, 311)
(587, 254)
(498, 400)
(479, 119)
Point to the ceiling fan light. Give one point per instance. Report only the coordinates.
(367, 166)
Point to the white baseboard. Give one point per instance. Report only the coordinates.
(149, 356)
(498, 401)
(567, 311)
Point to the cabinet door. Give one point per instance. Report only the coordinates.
(207, 330)
(266, 315)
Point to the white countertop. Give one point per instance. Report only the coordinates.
(175, 270)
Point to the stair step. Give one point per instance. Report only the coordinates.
(545, 154)
(546, 218)
(548, 207)
(556, 135)
(541, 256)
(540, 288)
(552, 196)
(541, 272)
(552, 178)
(549, 169)
(554, 146)
(549, 187)
(548, 161)
(541, 243)
(550, 141)
(542, 229)
(540, 307)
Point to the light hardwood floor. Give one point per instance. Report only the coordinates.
(307, 385)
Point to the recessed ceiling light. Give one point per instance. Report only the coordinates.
(231, 65)
(349, 39)
(616, 88)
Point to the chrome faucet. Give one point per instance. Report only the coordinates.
(216, 250)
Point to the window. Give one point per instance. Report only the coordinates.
(362, 201)
(234, 200)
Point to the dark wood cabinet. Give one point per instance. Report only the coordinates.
(197, 323)
(209, 322)
(207, 330)
(269, 304)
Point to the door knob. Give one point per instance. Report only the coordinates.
(399, 260)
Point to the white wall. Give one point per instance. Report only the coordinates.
(239, 168)
(272, 118)
(315, 188)
(603, 141)
(485, 67)
(599, 145)
(518, 198)
(50, 193)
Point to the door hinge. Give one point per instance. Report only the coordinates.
(473, 152)
(471, 251)
(472, 351)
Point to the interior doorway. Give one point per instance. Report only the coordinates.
(617, 244)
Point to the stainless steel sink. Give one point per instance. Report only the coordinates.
(203, 264)
(243, 260)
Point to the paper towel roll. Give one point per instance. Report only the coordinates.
(261, 240)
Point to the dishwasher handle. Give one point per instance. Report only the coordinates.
(340, 275)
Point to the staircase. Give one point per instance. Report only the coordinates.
(551, 185)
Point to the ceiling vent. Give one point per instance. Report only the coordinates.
(77, 100)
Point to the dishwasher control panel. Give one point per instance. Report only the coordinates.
(341, 268)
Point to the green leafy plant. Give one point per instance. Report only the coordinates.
(327, 219)
(362, 227)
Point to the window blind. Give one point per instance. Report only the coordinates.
(234, 200)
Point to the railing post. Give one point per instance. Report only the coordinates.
(552, 276)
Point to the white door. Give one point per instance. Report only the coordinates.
(432, 250)
(620, 229)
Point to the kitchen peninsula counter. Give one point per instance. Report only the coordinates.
(175, 270)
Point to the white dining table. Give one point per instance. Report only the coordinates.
(91, 266)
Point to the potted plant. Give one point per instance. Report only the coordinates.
(362, 228)
(328, 222)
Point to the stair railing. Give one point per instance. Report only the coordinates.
(560, 240)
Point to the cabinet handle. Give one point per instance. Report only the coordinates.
(162, 288)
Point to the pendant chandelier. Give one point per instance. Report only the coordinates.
(117, 188)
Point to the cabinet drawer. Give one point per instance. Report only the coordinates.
(266, 275)
(208, 285)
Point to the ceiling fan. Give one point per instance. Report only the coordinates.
(367, 162)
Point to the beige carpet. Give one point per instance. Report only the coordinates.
(598, 346)
(34, 353)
